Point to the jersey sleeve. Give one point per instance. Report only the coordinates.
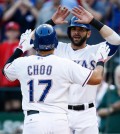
(10, 71)
(79, 74)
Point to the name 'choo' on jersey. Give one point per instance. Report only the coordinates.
(45, 81)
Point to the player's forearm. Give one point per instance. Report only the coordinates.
(18, 52)
(110, 36)
(50, 22)
(97, 76)
(106, 32)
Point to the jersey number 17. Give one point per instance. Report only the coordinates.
(48, 84)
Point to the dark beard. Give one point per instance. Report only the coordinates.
(80, 43)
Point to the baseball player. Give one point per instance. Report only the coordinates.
(82, 111)
(45, 80)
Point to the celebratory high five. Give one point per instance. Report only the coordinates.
(45, 110)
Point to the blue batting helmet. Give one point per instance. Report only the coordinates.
(75, 24)
(45, 38)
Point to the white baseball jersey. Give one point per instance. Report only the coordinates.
(45, 81)
(86, 58)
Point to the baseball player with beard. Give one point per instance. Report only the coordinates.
(82, 110)
(45, 80)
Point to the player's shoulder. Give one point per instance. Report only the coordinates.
(63, 60)
(23, 59)
(63, 45)
(59, 58)
(90, 48)
(62, 48)
(94, 47)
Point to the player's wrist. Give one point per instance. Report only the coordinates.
(50, 22)
(21, 48)
(100, 63)
(97, 24)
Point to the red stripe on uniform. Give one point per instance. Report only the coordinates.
(87, 78)
(8, 65)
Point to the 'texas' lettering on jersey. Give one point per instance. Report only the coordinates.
(90, 65)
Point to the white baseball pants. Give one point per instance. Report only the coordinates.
(46, 123)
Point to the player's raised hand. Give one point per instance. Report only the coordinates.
(102, 53)
(60, 15)
(83, 15)
(25, 41)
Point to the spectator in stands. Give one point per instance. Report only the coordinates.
(6, 50)
(12, 101)
(22, 12)
(109, 109)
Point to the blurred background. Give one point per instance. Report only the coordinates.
(18, 15)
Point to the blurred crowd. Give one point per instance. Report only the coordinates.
(18, 15)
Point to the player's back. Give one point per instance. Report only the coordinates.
(41, 83)
(45, 81)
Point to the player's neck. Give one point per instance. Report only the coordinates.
(74, 47)
(45, 53)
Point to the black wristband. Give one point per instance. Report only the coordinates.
(100, 63)
(50, 22)
(97, 24)
(18, 52)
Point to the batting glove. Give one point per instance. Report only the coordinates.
(102, 53)
(25, 39)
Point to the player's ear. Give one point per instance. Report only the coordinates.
(88, 34)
